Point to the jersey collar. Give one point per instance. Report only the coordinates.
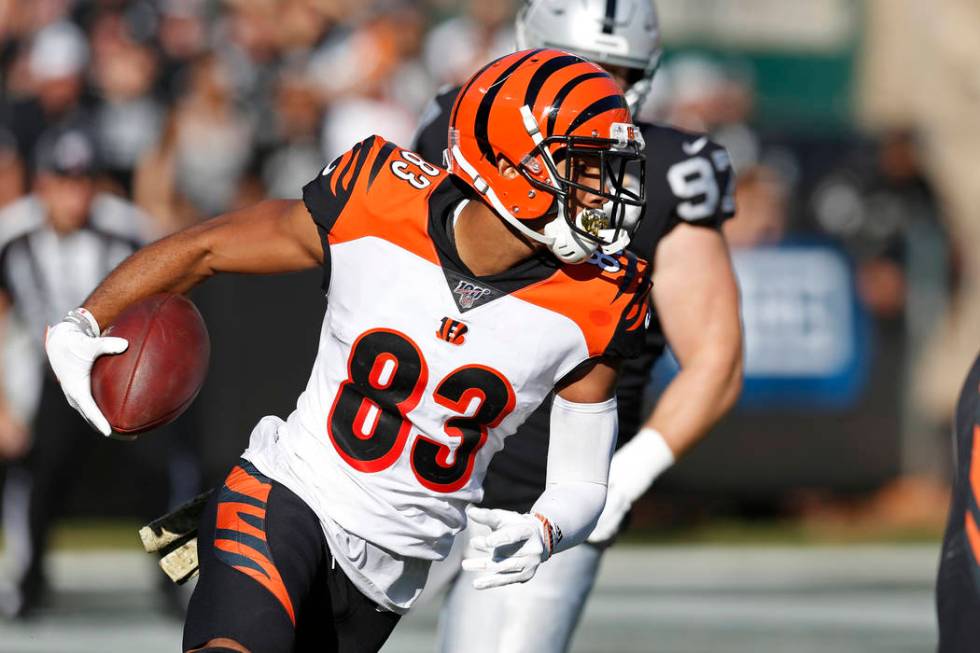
(469, 290)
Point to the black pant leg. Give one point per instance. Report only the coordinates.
(61, 440)
(361, 627)
(261, 555)
(267, 580)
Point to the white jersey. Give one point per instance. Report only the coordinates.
(423, 369)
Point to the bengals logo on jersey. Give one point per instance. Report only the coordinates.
(452, 331)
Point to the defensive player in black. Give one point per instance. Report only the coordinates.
(689, 184)
(958, 586)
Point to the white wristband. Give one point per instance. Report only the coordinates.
(639, 462)
(85, 321)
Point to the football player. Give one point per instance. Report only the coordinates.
(689, 184)
(958, 583)
(457, 301)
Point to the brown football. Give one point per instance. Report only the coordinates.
(157, 377)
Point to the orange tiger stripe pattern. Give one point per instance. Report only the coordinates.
(239, 533)
(972, 532)
(624, 285)
(566, 95)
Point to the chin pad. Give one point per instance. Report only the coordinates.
(568, 246)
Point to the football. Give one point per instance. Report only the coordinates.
(160, 374)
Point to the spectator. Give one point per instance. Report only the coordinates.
(128, 118)
(56, 63)
(873, 205)
(11, 169)
(183, 37)
(302, 26)
(355, 74)
(297, 156)
(883, 209)
(248, 49)
(456, 48)
(761, 198)
(707, 96)
(212, 140)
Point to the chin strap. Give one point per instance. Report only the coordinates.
(637, 93)
(484, 189)
(636, 96)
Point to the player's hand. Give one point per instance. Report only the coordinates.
(511, 553)
(14, 436)
(72, 346)
(617, 505)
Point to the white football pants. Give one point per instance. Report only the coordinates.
(538, 616)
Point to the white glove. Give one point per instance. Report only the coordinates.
(633, 470)
(72, 346)
(516, 545)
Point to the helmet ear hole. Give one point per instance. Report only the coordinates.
(507, 169)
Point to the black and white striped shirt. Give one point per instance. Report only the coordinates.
(46, 274)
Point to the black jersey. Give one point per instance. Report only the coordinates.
(688, 179)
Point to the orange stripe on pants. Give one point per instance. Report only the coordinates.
(972, 532)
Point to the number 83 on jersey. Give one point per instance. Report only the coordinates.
(386, 378)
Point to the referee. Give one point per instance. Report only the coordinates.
(56, 244)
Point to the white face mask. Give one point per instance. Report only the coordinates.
(569, 246)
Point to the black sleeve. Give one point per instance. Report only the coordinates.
(725, 178)
(689, 179)
(329, 192)
(431, 136)
(630, 338)
(702, 186)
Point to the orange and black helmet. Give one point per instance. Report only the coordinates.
(545, 112)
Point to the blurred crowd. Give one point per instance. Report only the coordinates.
(199, 106)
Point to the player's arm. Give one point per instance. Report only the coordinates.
(583, 437)
(270, 237)
(696, 297)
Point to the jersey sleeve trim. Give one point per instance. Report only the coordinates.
(328, 195)
(629, 339)
(380, 160)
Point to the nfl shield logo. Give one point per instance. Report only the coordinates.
(469, 293)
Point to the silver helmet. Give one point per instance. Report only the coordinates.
(611, 32)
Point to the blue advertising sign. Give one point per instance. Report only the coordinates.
(807, 341)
